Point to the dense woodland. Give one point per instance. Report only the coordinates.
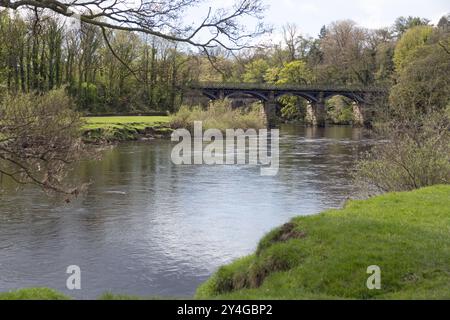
(122, 71)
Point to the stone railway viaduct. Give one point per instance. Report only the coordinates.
(363, 98)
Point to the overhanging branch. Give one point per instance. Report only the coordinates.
(161, 18)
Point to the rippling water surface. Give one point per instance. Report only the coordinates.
(148, 227)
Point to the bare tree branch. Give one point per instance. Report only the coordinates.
(162, 18)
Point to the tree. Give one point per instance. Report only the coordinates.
(384, 66)
(403, 24)
(291, 38)
(161, 18)
(444, 22)
(344, 52)
(417, 124)
(416, 156)
(423, 83)
(295, 72)
(255, 71)
(414, 39)
(40, 138)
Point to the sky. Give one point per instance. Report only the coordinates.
(311, 15)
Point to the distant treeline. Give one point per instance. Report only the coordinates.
(127, 72)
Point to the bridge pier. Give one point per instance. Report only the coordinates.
(270, 110)
(362, 114)
(358, 114)
(316, 114)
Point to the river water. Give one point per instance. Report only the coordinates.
(148, 227)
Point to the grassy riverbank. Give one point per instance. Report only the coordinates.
(33, 294)
(326, 256)
(220, 115)
(50, 294)
(124, 128)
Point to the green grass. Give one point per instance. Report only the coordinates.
(112, 296)
(118, 128)
(50, 294)
(144, 120)
(34, 294)
(326, 256)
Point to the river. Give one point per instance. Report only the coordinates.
(147, 227)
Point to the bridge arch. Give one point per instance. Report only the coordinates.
(354, 104)
(355, 97)
(292, 105)
(308, 97)
(254, 94)
(209, 95)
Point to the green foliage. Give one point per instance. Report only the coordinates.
(219, 115)
(384, 63)
(412, 41)
(291, 112)
(255, 71)
(33, 294)
(292, 108)
(339, 110)
(118, 120)
(39, 53)
(326, 256)
(272, 75)
(295, 72)
(113, 129)
(417, 123)
(87, 97)
(422, 83)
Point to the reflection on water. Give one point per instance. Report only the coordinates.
(148, 227)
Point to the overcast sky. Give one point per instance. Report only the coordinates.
(311, 15)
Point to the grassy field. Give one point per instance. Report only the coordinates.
(326, 256)
(99, 122)
(118, 128)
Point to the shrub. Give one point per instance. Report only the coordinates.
(219, 115)
(40, 136)
(416, 154)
